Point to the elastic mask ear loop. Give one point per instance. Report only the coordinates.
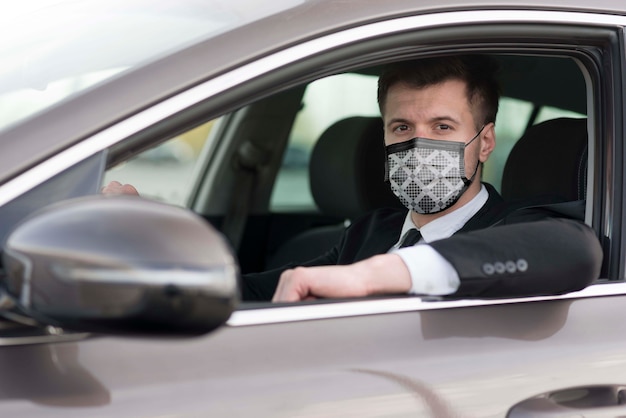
(467, 181)
(475, 136)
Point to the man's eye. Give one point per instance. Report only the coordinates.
(400, 128)
(443, 127)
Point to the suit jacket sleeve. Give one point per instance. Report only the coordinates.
(533, 251)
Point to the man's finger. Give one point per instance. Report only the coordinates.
(115, 188)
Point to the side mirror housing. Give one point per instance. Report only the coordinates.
(121, 265)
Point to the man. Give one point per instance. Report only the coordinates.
(439, 117)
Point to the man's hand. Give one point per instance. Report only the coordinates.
(381, 274)
(115, 187)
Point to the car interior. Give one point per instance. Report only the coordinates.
(285, 196)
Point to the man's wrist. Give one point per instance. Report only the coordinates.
(385, 274)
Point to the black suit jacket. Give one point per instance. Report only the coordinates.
(504, 250)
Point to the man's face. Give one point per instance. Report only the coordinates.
(439, 112)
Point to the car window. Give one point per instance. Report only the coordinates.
(170, 171)
(167, 171)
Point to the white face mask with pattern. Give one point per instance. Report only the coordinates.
(428, 175)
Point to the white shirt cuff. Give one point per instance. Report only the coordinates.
(431, 274)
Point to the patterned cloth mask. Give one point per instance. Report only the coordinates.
(428, 175)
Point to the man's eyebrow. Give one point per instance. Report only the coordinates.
(435, 119)
(445, 119)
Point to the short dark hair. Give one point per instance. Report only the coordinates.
(477, 71)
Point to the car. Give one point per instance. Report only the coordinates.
(125, 306)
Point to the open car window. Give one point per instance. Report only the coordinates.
(281, 206)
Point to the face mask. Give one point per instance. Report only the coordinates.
(428, 175)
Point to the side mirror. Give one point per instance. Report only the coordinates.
(121, 265)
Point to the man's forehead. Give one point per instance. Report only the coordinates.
(444, 98)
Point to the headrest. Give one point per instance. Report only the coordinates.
(347, 168)
(550, 159)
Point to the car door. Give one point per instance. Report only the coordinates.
(387, 356)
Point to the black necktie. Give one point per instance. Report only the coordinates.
(411, 238)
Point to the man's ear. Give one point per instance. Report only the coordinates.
(487, 141)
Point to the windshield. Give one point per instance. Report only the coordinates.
(52, 49)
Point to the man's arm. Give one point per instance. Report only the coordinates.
(372, 234)
(380, 274)
(548, 256)
(262, 286)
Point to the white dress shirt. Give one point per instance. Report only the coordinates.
(431, 274)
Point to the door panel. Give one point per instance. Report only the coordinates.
(474, 361)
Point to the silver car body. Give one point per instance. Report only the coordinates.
(399, 356)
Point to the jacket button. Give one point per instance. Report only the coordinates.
(488, 269)
(522, 265)
(499, 267)
(511, 267)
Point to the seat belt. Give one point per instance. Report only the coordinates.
(249, 160)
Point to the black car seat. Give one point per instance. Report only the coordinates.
(346, 174)
(549, 160)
